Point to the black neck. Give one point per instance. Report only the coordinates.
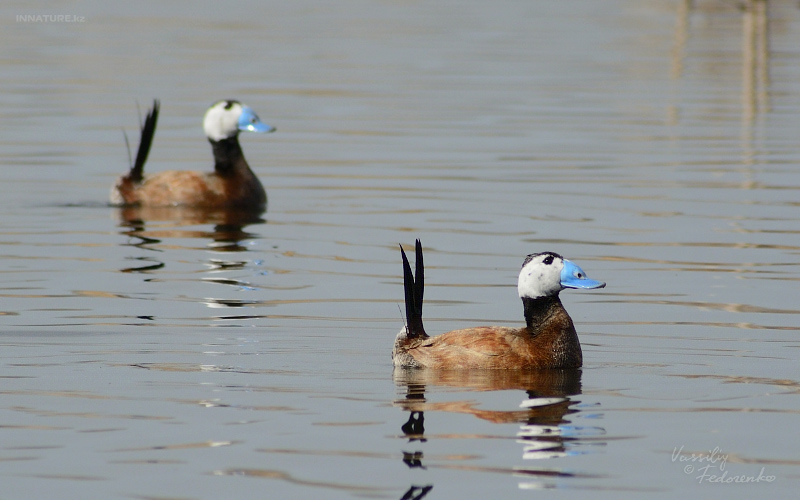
(539, 310)
(228, 156)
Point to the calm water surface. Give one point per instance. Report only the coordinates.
(176, 354)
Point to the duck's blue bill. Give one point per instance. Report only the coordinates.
(249, 122)
(572, 276)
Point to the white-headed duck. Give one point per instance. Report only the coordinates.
(548, 340)
(231, 185)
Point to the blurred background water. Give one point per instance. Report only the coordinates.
(171, 354)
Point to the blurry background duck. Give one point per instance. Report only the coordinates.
(231, 185)
(548, 340)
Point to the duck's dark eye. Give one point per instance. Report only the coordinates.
(579, 275)
(548, 260)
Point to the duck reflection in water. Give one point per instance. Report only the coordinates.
(545, 430)
(416, 492)
(148, 226)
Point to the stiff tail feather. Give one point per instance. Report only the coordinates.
(148, 130)
(414, 285)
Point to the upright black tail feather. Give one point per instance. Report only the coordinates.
(414, 286)
(148, 130)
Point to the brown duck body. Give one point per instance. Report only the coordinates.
(548, 341)
(232, 184)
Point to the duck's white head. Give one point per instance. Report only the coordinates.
(226, 119)
(547, 273)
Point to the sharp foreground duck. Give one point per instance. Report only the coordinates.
(231, 185)
(548, 340)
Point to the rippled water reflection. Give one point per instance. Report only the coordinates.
(224, 354)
